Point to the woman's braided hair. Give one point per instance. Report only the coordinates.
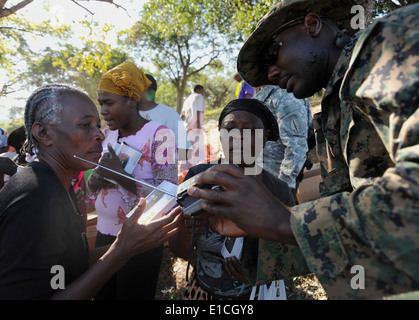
(44, 106)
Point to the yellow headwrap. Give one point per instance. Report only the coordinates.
(125, 80)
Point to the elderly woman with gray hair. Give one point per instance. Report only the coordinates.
(43, 247)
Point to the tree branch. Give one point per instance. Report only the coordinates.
(108, 1)
(4, 12)
(182, 63)
(12, 28)
(83, 7)
(203, 67)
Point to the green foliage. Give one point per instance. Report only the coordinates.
(76, 60)
(219, 89)
(79, 66)
(213, 114)
(182, 38)
(184, 41)
(15, 31)
(248, 13)
(386, 6)
(12, 124)
(166, 91)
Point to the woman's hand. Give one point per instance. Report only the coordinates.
(135, 238)
(96, 182)
(80, 196)
(111, 160)
(131, 240)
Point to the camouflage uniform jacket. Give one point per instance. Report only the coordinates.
(369, 150)
(286, 157)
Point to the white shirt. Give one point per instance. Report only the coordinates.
(193, 104)
(170, 118)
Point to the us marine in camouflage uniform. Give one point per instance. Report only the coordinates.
(367, 138)
(286, 157)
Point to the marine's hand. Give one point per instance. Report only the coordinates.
(223, 225)
(187, 222)
(234, 269)
(245, 204)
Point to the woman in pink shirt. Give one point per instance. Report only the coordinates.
(119, 92)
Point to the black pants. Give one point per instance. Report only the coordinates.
(137, 280)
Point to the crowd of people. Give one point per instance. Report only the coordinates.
(366, 139)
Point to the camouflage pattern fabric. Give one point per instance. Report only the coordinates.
(348, 146)
(368, 145)
(249, 62)
(286, 157)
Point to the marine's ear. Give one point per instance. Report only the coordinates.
(313, 24)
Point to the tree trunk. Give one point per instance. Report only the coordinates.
(179, 100)
(368, 6)
(181, 90)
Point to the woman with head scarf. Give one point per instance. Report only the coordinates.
(245, 126)
(119, 92)
(44, 251)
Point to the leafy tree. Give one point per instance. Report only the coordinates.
(184, 40)
(219, 89)
(247, 13)
(82, 67)
(166, 91)
(181, 38)
(14, 47)
(12, 124)
(14, 33)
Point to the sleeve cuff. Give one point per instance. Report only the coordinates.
(265, 261)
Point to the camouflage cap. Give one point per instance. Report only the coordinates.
(249, 62)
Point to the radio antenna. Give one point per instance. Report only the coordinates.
(128, 177)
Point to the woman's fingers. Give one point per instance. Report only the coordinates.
(137, 211)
